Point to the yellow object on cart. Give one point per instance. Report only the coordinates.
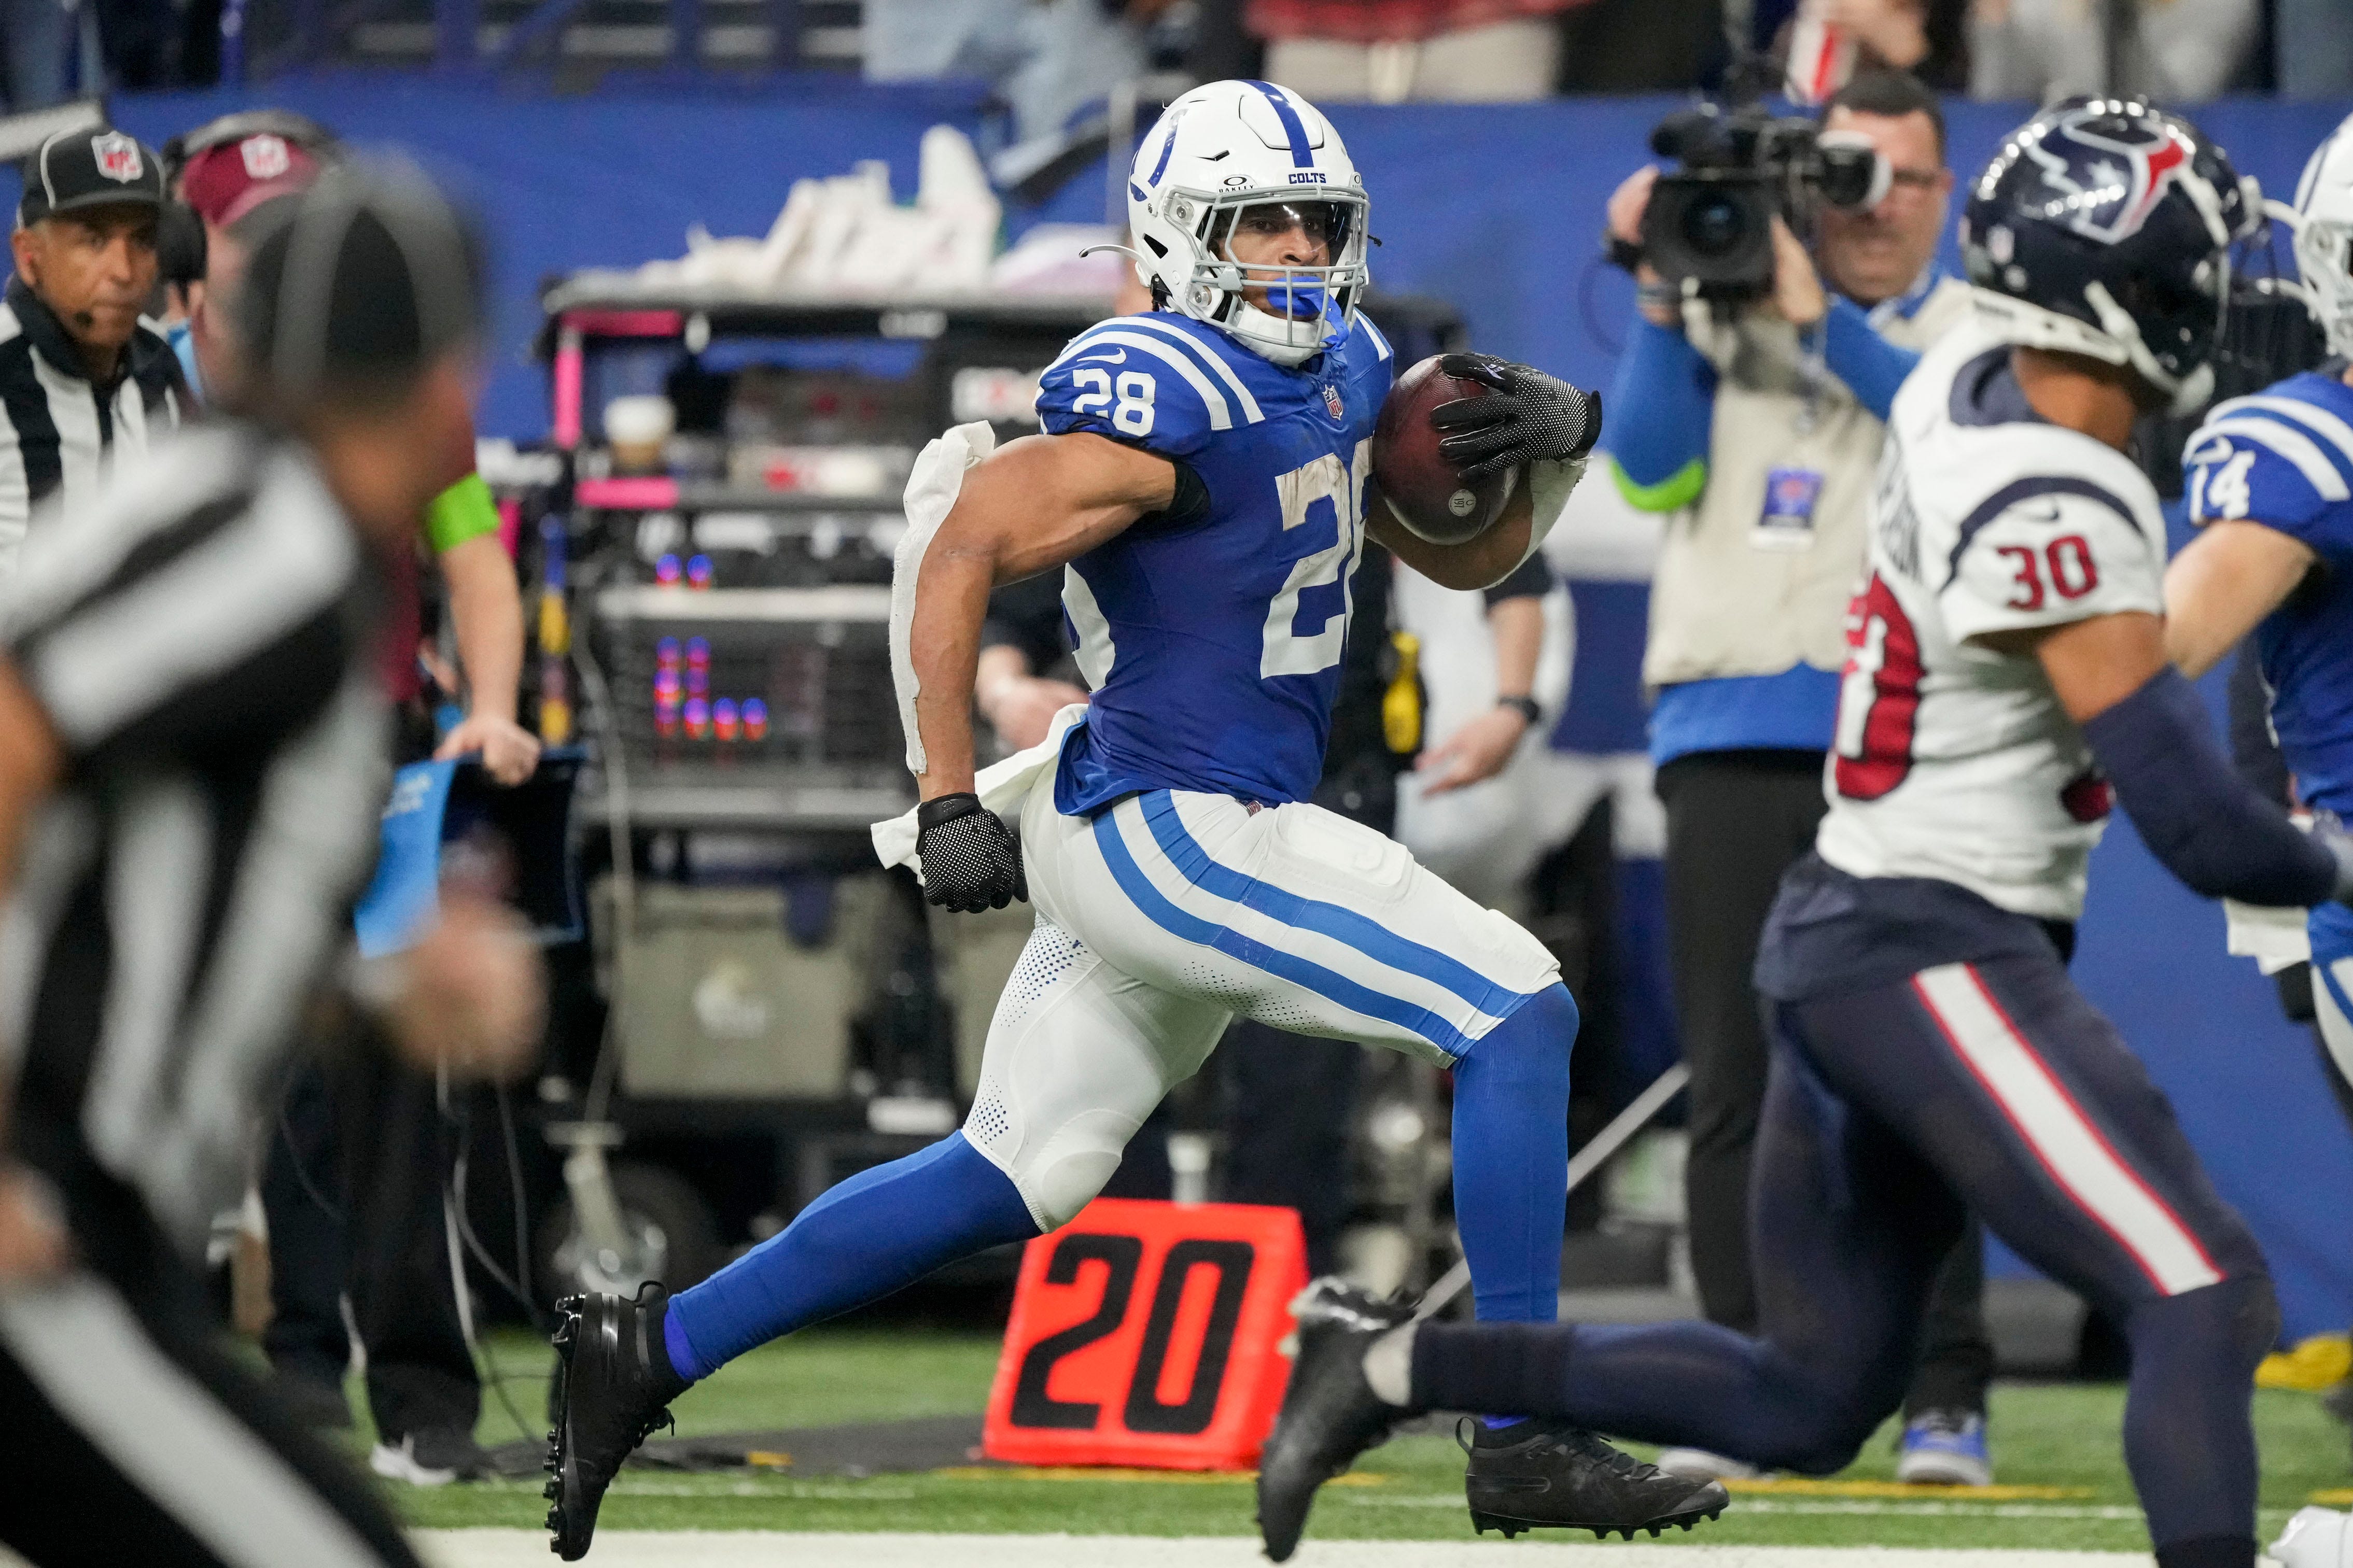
(1402, 703)
(2312, 1366)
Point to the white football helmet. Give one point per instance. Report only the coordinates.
(1230, 153)
(2324, 236)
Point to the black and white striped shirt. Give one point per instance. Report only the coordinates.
(60, 434)
(201, 641)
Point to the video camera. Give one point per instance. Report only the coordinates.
(1708, 229)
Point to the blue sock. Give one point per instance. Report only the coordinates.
(1511, 1159)
(879, 1231)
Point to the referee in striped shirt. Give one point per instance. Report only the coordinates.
(85, 381)
(192, 758)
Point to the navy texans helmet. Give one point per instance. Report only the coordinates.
(2104, 228)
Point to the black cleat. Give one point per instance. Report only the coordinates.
(1535, 1475)
(1329, 1414)
(613, 1387)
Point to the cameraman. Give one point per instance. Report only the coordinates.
(1757, 431)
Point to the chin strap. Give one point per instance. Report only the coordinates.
(2184, 395)
(933, 487)
(1550, 483)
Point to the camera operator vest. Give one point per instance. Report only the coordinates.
(1724, 602)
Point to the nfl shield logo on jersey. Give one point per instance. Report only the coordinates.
(1332, 403)
(117, 155)
(2110, 184)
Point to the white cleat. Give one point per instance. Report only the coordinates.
(1699, 1464)
(402, 1464)
(2315, 1538)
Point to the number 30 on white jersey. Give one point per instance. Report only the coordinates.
(1952, 758)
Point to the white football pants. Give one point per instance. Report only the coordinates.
(1163, 917)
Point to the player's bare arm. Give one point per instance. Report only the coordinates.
(1032, 506)
(2092, 664)
(2229, 577)
(2115, 677)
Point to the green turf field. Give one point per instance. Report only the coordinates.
(2064, 1439)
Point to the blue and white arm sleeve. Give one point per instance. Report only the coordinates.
(2195, 813)
(1661, 412)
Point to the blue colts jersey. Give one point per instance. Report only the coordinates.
(1213, 645)
(2285, 459)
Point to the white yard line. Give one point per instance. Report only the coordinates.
(768, 1548)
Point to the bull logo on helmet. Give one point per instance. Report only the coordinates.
(2107, 183)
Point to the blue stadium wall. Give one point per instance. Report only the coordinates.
(1497, 209)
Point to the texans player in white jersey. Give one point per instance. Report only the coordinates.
(1931, 1056)
(2269, 487)
(1201, 483)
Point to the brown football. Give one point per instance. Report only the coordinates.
(1420, 488)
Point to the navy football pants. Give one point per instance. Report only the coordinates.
(1889, 1114)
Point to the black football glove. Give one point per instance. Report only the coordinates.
(1526, 415)
(970, 858)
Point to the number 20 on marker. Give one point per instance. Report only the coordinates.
(1148, 1334)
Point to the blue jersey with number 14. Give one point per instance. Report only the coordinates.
(1213, 645)
(2284, 458)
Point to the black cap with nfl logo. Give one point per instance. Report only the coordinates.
(79, 169)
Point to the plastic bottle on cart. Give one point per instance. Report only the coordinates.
(555, 635)
(755, 720)
(670, 686)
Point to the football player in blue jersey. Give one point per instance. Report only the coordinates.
(2269, 487)
(1202, 484)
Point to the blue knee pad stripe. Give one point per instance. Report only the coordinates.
(1327, 984)
(1365, 934)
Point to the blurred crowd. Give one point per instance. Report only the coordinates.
(1051, 57)
(1056, 61)
(52, 51)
